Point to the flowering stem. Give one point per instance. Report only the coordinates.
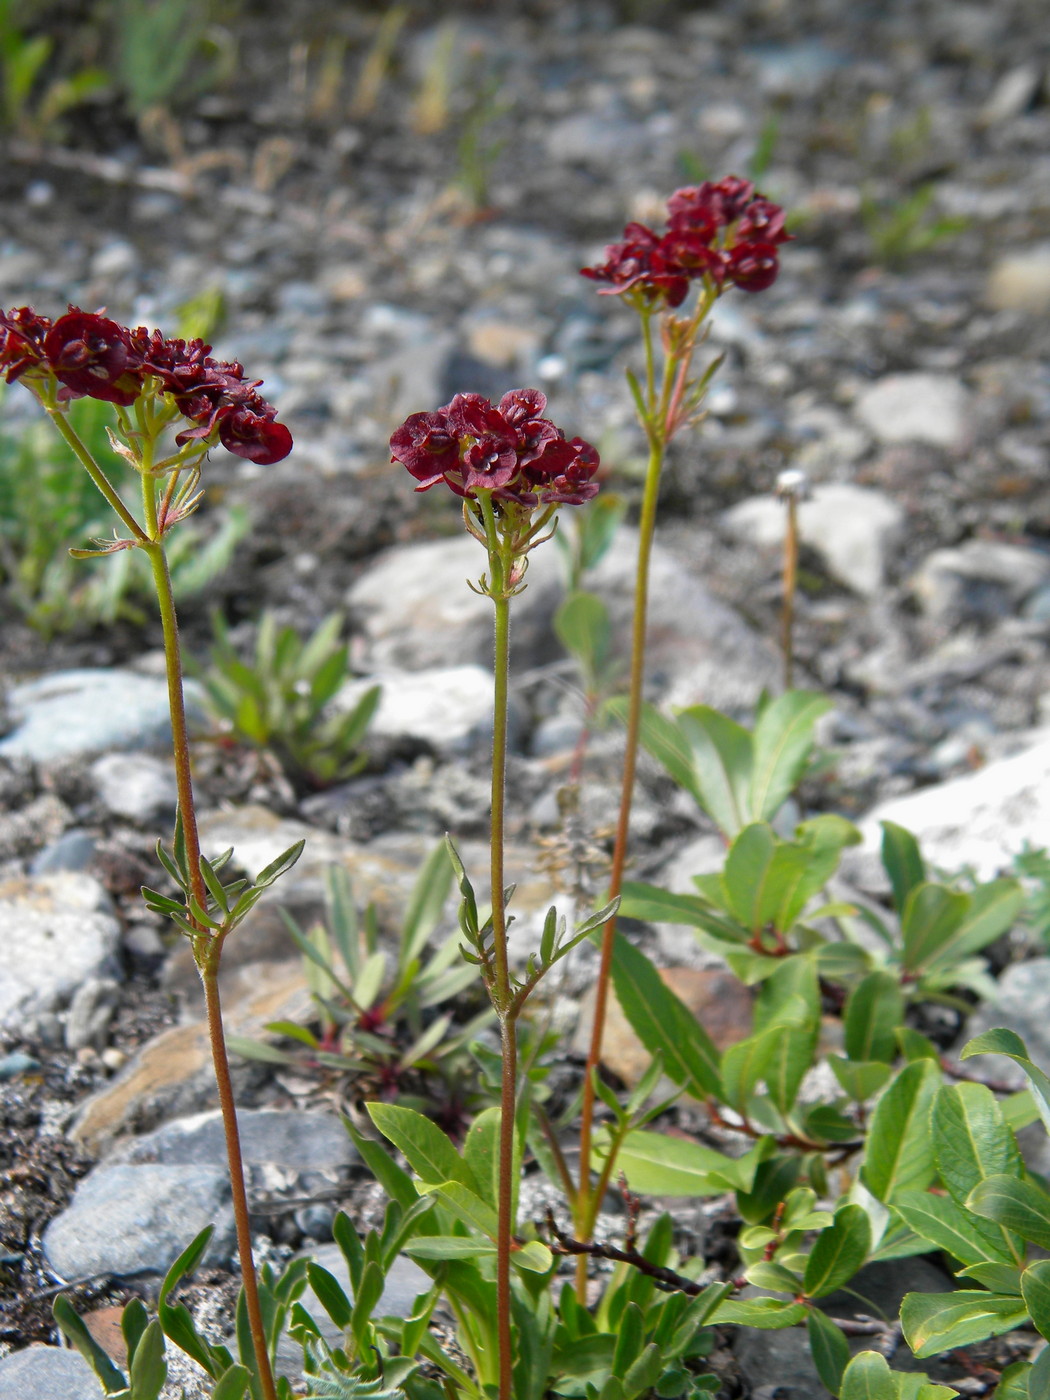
(207, 949)
(94, 471)
(790, 583)
(588, 1203)
(500, 568)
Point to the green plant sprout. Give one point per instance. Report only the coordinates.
(899, 230)
(34, 100)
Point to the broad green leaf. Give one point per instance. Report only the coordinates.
(868, 1377)
(657, 906)
(935, 1322)
(792, 1057)
(838, 1253)
(233, 1385)
(330, 1293)
(666, 742)
(997, 1278)
(663, 1024)
(439, 1247)
(1004, 1042)
(769, 1314)
(582, 626)
(1014, 1384)
(790, 996)
(74, 1329)
(428, 1151)
(861, 1080)
(1039, 1377)
(657, 1165)
(745, 875)
(931, 916)
(828, 1347)
(427, 904)
(720, 759)
(773, 1277)
(481, 1152)
(466, 1205)
(946, 1224)
(903, 861)
(781, 743)
(994, 908)
(899, 1155)
(1016, 1205)
(873, 1012)
(743, 1065)
(535, 1257)
(971, 1141)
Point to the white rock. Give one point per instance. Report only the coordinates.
(981, 819)
(55, 931)
(916, 407)
(851, 527)
(135, 785)
(1012, 94)
(449, 708)
(1021, 282)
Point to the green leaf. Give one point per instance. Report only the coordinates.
(720, 756)
(175, 1318)
(839, 1252)
(666, 741)
(935, 1322)
(743, 1065)
(993, 909)
(75, 1331)
(792, 1058)
(903, 861)
(149, 1370)
(868, 1377)
(862, 1080)
(428, 1151)
(330, 1294)
(466, 1205)
(781, 743)
(1004, 1042)
(481, 1152)
(997, 1278)
(429, 896)
(899, 1155)
(582, 626)
(1016, 1205)
(438, 1247)
(748, 867)
(1039, 1377)
(657, 1165)
(663, 1024)
(828, 1347)
(971, 1140)
(534, 1257)
(769, 1314)
(277, 868)
(233, 1385)
(932, 915)
(873, 1012)
(947, 1225)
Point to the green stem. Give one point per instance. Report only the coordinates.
(207, 950)
(95, 472)
(500, 569)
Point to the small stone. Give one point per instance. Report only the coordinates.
(918, 407)
(504, 343)
(127, 1220)
(136, 785)
(55, 931)
(1013, 94)
(47, 1373)
(302, 1141)
(74, 850)
(114, 259)
(1021, 282)
(113, 1058)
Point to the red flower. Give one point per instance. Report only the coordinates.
(753, 266)
(91, 357)
(510, 450)
(639, 261)
(22, 336)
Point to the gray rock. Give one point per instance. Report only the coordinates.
(298, 1140)
(677, 944)
(136, 785)
(594, 139)
(76, 713)
(47, 1373)
(55, 931)
(1013, 93)
(448, 708)
(41, 820)
(1021, 282)
(74, 850)
(916, 407)
(90, 1013)
(416, 610)
(781, 1360)
(799, 69)
(127, 1220)
(980, 819)
(979, 579)
(1023, 1005)
(851, 527)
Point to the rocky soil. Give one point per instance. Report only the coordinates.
(371, 266)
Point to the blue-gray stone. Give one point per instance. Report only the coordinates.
(299, 1140)
(74, 850)
(126, 1220)
(47, 1373)
(72, 714)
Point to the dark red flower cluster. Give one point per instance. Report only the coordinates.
(94, 357)
(509, 450)
(724, 231)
